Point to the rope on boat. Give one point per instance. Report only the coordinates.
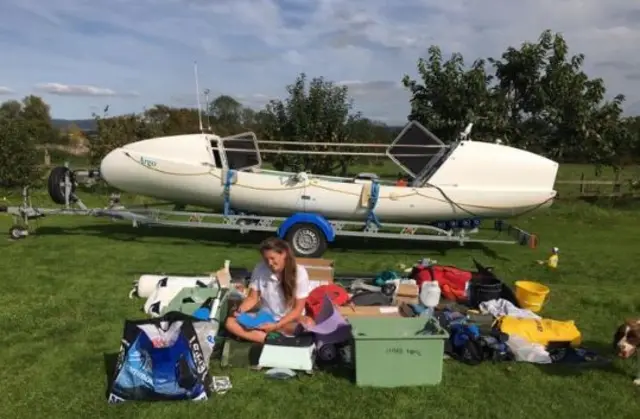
(392, 196)
(227, 192)
(373, 201)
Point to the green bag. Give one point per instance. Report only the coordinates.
(384, 277)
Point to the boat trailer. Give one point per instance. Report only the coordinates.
(308, 233)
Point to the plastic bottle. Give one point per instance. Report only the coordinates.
(553, 260)
(430, 294)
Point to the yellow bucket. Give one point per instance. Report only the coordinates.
(531, 295)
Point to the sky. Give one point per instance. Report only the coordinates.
(82, 55)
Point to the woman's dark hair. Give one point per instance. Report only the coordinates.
(289, 279)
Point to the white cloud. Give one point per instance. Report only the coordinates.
(5, 90)
(80, 90)
(250, 46)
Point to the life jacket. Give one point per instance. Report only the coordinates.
(336, 294)
(452, 281)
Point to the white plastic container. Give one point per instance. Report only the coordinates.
(430, 294)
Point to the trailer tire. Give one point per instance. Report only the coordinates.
(16, 233)
(307, 240)
(55, 185)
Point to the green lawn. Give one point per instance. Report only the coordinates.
(65, 299)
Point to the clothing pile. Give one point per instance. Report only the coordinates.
(500, 331)
(491, 325)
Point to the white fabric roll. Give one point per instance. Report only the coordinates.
(147, 284)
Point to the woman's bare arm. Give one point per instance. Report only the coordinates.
(294, 315)
(250, 302)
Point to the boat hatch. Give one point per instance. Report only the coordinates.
(415, 149)
(241, 151)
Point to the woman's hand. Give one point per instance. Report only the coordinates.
(268, 327)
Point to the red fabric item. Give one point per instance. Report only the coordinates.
(452, 281)
(336, 294)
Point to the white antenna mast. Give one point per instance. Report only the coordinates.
(207, 108)
(195, 69)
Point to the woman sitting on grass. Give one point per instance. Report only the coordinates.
(280, 287)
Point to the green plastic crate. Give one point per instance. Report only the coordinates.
(389, 352)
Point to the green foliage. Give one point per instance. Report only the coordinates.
(18, 153)
(114, 132)
(320, 113)
(228, 116)
(40, 127)
(537, 98)
(23, 126)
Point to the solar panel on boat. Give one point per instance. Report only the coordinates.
(408, 150)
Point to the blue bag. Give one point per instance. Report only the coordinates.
(165, 358)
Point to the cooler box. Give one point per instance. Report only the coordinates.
(391, 351)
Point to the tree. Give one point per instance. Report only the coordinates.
(75, 136)
(115, 132)
(448, 96)
(553, 106)
(173, 121)
(319, 112)
(228, 115)
(537, 98)
(18, 153)
(11, 109)
(36, 113)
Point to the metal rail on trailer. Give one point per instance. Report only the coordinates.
(309, 234)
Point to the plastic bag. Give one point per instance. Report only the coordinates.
(525, 351)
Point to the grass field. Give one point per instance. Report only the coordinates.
(64, 301)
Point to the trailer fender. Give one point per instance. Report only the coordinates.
(308, 218)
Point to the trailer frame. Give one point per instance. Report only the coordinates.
(308, 233)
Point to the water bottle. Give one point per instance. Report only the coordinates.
(430, 294)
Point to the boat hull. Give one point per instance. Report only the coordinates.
(511, 182)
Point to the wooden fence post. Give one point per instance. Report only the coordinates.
(47, 157)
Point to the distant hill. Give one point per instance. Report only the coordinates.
(83, 124)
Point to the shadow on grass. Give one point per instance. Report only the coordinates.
(604, 363)
(110, 363)
(178, 236)
(339, 371)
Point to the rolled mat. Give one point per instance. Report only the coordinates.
(148, 283)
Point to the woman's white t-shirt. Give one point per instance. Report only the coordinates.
(268, 285)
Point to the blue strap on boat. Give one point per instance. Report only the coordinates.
(227, 192)
(373, 201)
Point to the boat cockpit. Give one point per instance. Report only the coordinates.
(416, 151)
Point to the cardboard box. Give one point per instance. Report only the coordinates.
(407, 293)
(369, 311)
(320, 271)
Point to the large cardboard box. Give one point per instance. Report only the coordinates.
(321, 271)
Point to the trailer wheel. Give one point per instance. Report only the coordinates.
(307, 240)
(17, 233)
(55, 184)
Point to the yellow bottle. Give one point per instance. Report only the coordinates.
(552, 262)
